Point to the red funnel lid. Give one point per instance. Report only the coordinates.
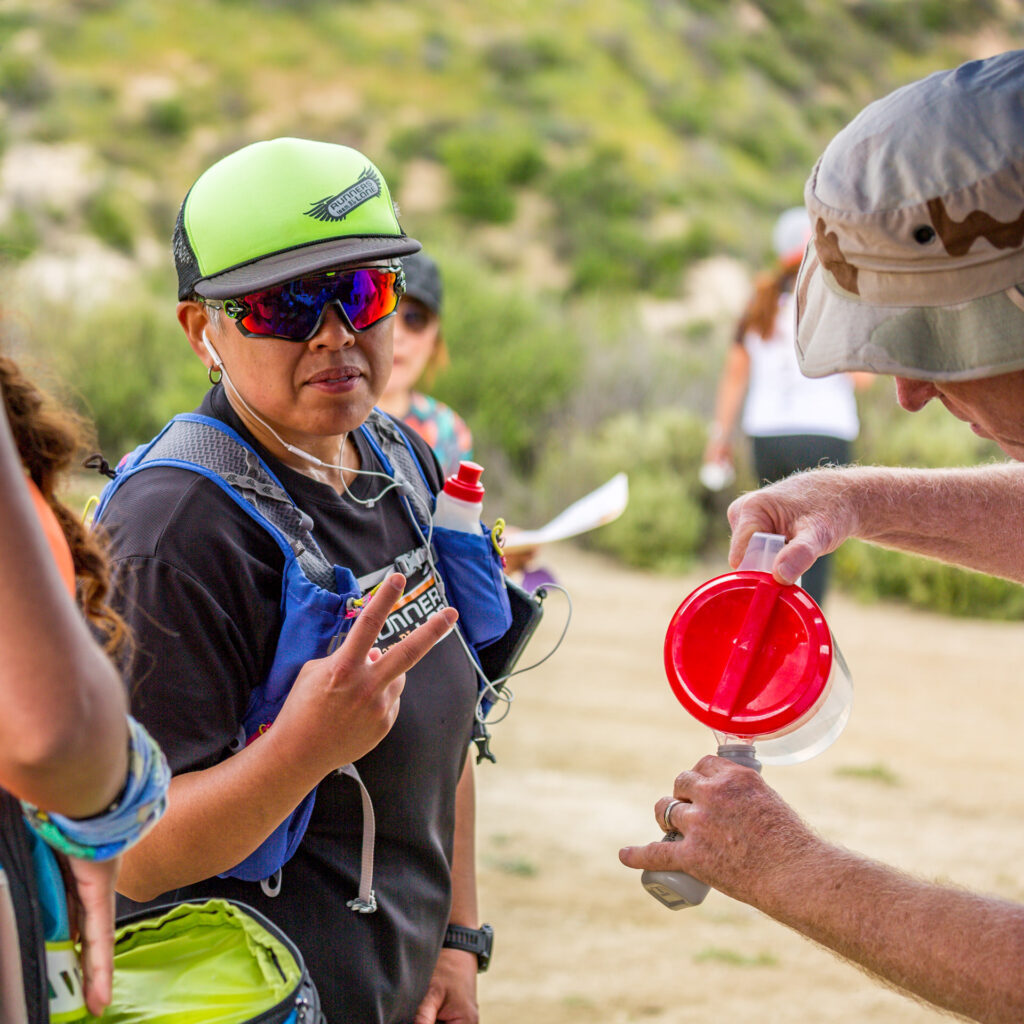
(746, 655)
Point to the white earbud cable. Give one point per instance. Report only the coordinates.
(298, 452)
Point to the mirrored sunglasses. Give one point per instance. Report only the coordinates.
(294, 311)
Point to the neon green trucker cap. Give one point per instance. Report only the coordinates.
(275, 210)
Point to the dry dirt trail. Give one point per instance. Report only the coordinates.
(927, 776)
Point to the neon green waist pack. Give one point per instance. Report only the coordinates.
(218, 962)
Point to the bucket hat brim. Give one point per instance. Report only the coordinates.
(837, 332)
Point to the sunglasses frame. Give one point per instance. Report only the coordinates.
(237, 309)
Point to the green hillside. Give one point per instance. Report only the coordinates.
(656, 132)
(598, 178)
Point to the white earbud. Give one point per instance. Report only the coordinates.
(217, 361)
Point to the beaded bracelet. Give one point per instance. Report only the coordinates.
(135, 811)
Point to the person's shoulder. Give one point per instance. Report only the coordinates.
(448, 423)
(163, 510)
(424, 453)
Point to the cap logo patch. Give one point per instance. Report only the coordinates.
(833, 260)
(338, 207)
(959, 236)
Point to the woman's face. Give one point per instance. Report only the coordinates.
(321, 388)
(417, 329)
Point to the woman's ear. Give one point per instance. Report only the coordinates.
(195, 321)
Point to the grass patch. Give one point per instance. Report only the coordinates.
(877, 773)
(730, 957)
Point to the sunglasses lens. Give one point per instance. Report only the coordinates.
(372, 295)
(293, 310)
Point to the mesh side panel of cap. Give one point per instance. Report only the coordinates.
(185, 261)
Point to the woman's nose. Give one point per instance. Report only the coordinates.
(334, 331)
(914, 394)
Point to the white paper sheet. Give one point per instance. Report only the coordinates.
(608, 502)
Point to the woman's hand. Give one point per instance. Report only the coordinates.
(91, 909)
(341, 706)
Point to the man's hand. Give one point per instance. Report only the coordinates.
(341, 706)
(451, 995)
(814, 510)
(737, 832)
(91, 905)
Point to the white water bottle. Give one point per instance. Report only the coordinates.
(460, 504)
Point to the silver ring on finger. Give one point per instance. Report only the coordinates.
(666, 817)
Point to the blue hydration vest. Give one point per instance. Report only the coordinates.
(318, 599)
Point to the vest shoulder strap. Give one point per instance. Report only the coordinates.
(401, 461)
(213, 449)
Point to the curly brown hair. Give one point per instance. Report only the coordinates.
(49, 437)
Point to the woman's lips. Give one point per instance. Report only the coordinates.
(337, 379)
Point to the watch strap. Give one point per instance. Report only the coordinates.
(471, 940)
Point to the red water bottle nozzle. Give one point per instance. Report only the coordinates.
(465, 485)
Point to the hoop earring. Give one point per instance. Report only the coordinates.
(210, 371)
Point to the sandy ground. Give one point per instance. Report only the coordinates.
(926, 776)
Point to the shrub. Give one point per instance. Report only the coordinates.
(870, 573)
(485, 166)
(128, 368)
(665, 524)
(19, 235)
(168, 118)
(110, 217)
(25, 79)
(514, 359)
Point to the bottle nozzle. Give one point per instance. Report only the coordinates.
(465, 484)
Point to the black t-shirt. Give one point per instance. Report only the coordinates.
(200, 585)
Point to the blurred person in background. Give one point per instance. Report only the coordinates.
(916, 270)
(420, 353)
(793, 422)
(67, 749)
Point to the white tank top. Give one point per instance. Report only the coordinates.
(781, 400)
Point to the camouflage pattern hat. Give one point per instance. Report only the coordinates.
(917, 257)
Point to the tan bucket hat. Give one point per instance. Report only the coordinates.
(916, 262)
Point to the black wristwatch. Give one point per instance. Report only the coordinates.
(472, 940)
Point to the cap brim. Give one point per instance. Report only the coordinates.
(307, 259)
(837, 333)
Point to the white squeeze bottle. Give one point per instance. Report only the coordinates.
(461, 502)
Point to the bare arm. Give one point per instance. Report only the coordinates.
(969, 517)
(464, 904)
(339, 708)
(63, 735)
(960, 951)
(732, 389)
(451, 995)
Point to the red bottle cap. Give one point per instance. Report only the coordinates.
(465, 485)
(748, 656)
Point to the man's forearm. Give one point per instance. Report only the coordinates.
(972, 517)
(969, 517)
(958, 950)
